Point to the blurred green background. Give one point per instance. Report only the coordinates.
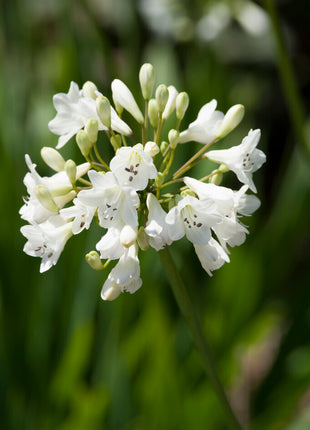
(68, 360)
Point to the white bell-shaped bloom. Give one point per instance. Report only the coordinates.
(170, 105)
(243, 159)
(204, 129)
(81, 214)
(156, 227)
(245, 204)
(47, 240)
(114, 243)
(211, 256)
(123, 96)
(115, 204)
(230, 231)
(133, 167)
(125, 276)
(193, 218)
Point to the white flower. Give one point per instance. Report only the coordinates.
(123, 96)
(133, 167)
(114, 243)
(230, 231)
(204, 128)
(156, 227)
(125, 276)
(116, 204)
(245, 204)
(47, 240)
(73, 112)
(193, 218)
(211, 256)
(81, 213)
(170, 106)
(243, 159)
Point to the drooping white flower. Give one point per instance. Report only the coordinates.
(114, 243)
(73, 112)
(243, 159)
(245, 204)
(81, 214)
(47, 240)
(193, 218)
(116, 204)
(230, 231)
(125, 276)
(204, 128)
(211, 256)
(133, 167)
(123, 96)
(156, 227)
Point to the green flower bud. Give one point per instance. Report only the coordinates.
(103, 107)
(116, 142)
(232, 118)
(44, 196)
(161, 96)
(159, 180)
(53, 158)
(84, 143)
(216, 179)
(142, 239)
(185, 193)
(70, 168)
(89, 89)
(163, 146)
(153, 113)
(181, 105)
(91, 129)
(93, 259)
(147, 78)
(173, 137)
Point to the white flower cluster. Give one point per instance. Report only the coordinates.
(127, 196)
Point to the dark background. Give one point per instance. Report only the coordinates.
(68, 360)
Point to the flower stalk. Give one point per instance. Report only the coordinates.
(189, 314)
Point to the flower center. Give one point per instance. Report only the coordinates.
(44, 251)
(190, 218)
(132, 171)
(247, 163)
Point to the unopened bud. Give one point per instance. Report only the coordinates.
(91, 129)
(128, 236)
(159, 180)
(185, 193)
(116, 142)
(161, 95)
(151, 148)
(173, 137)
(142, 239)
(163, 146)
(216, 179)
(45, 198)
(153, 113)
(111, 291)
(147, 77)
(181, 105)
(83, 142)
(52, 158)
(59, 190)
(93, 259)
(70, 168)
(232, 118)
(89, 90)
(103, 107)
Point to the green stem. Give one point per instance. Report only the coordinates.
(189, 314)
(289, 84)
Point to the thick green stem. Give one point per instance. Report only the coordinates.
(190, 316)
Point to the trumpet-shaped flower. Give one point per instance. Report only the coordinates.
(211, 256)
(243, 159)
(115, 204)
(156, 227)
(193, 218)
(47, 240)
(133, 167)
(81, 214)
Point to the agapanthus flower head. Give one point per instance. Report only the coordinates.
(128, 195)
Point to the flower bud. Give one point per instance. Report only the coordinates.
(173, 137)
(185, 193)
(103, 108)
(142, 239)
(93, 259)
(159, 180)
(163, 146)
(70, 168)
(123, 96)
(44, 196)
(59, 191)
(181, 105)
(110, 291)
(151, 148)
(116, 142)
(170, 106)
(91, 129)
(153, 113)
(161, 96)
(147, 78)
(83, 142)
(53, 158)
(128, 236)
(89, 90)
(232, 118)
(216, 179)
